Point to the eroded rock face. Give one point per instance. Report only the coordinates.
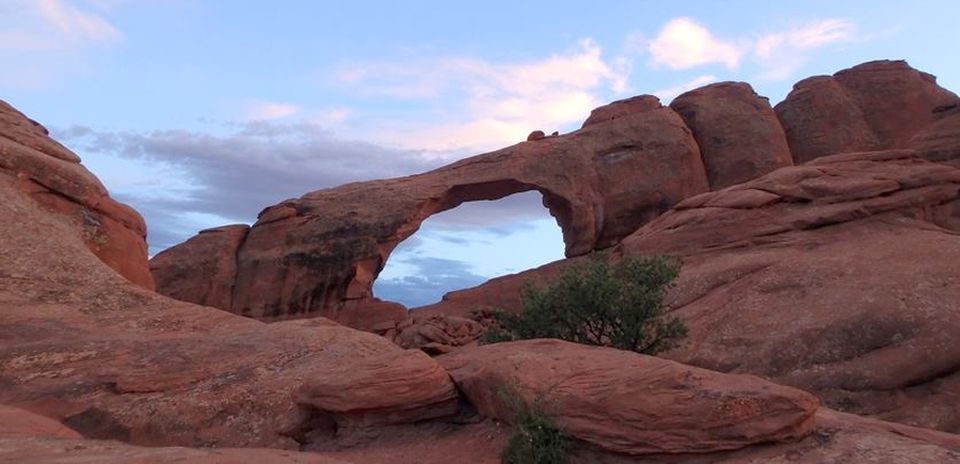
(872, 106)
(629, 403)
(27, 438)
(54, 178)
(201, 270)
(837, 277)
(621, 108)
(106, 359)
(320, 253)
(841, 281)
(112, 360)
(739, 135)
(633, 159)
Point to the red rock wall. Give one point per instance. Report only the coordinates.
(54, 178)
(631, 161)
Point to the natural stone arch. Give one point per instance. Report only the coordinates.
(318, 255)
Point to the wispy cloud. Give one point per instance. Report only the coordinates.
(684, 43)
(782, 53)
(43, 41)
(232, 176)
(34, 25)
(490, 104)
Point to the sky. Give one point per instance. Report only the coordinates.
(202, 113)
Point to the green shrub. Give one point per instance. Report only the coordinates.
(596, 303)
(536, 439)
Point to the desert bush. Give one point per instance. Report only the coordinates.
(536, 439)
(595, 302)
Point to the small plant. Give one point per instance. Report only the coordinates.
(536, 438)
(495, 334)
(596, 303)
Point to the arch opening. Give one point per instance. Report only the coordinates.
(470, 242)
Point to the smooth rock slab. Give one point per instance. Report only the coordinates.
(629, 403)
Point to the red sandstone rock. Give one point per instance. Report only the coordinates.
(54, 178)
(435, 334)
(629, 403)
(837, 438)
(844, 287)
(319, 254)
(202, 269)
(405, 386)
(739, 135)
(875, 105)
(536, 135)
(940, 141)
(53, 451)
(18, 423)
(897, 100)
(82, 345)
(837, 277)
(114, 361)
(623, 107)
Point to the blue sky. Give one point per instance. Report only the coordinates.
(200, 113)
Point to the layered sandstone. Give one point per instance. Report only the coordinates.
(319, 254)
(122, 366)
(738, 133)
(837, 277)
(54, 178)
(632, 160)
(114, 361)
(872, 106)
(627, 403)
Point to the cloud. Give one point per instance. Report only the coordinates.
(670, 92)
(183, 181)
(42, 41)
(804, 37)
(415, 290)
(684, 43)
(75, 23)
(780, 54)
(228, 177)
(265, 111)
(38, 25)
(490, 104)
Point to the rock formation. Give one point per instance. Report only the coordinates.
(320, 253)
(738, 133)
(872, 106)
(207, 279)
(838, 277)
(53, 176)
(119, 373)
(632, 160)
(651, 398)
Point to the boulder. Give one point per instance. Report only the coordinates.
(872, 106)
(820, 118)
(202, 269)
(738, 133)
(627, 403)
